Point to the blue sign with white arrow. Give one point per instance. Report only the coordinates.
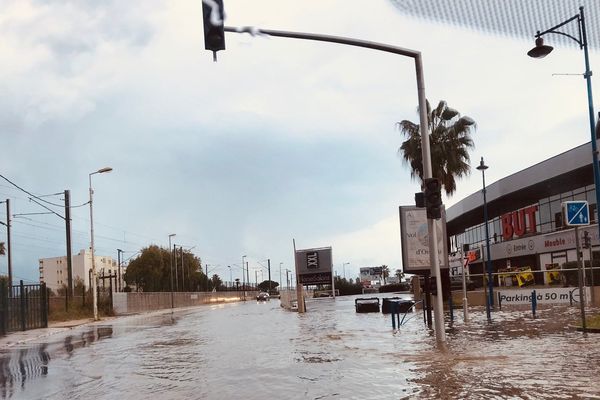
(577, 213)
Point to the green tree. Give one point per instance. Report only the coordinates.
(151, 270)
(449, 140)
(385, 272)
(347, 286)
(399, 274)
(264, 285)
(216, 282)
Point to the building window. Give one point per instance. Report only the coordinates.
(558, 220)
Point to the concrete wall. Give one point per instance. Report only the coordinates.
(128, 303)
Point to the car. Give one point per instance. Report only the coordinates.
(263, 296)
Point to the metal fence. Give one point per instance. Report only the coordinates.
(23, 307)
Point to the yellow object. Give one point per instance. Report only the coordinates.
(525, 277)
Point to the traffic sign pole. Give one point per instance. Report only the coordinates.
(580, 279)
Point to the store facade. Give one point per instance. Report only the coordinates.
(525, 219)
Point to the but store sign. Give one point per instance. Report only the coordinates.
(518, 223)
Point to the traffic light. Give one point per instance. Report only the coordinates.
(433, 198)
(420, 199)
(432, 286)
(214, 33)
(587, 240)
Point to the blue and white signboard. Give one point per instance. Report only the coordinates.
(577, 213)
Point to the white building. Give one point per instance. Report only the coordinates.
(53, 271)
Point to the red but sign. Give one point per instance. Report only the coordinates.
(518, 223)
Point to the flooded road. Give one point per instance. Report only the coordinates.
(260, 351)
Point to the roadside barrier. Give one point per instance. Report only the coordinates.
(367, 305)
(401, 307)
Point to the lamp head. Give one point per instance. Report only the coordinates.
(540, 50)
(482, 166)
(103, 170)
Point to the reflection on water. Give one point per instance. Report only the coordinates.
(253, 350)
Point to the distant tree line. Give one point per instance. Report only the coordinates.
(151, 272)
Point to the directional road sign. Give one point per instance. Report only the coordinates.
(576, 213)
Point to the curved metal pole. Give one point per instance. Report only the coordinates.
(583, 43)
(423, 123)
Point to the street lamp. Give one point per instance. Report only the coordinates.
(243, 279)
(344, 268)
(540, 50)
(490, 300)
(230, 275)
(94, 288)
(171, 264)
(280, 285)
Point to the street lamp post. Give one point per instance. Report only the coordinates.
(541, 50)
(94, 278)
(280, 285)
(344, 268)
(423, 124)
(230, 275)
(171, 269)
(243, 278)
(490, 300)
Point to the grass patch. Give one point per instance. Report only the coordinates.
(77, 311)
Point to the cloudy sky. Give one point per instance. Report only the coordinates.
(279, 139)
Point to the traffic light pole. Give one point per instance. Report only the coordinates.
(440, 333)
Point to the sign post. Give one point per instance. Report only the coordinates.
(313, 267)
(577, 213)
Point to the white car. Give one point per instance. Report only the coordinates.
(263, 296)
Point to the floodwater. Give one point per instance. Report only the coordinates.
(260, 351)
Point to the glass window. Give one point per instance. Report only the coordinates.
(566, 196)
(544, 213)
(555, 207)
(579, 196)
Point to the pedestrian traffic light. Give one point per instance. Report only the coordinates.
(420, 199)
(587, 240)
(214, 33)
(433, 286)
(433, 198)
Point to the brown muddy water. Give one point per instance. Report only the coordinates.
(260, 351)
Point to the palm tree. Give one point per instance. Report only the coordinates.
(449, 141)
(399, 275)
(385, 272)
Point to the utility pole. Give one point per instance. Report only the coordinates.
(269, 268)
(182, 271)
(280, 285)
(176, 273)
(206, 268)
(9, 249)
(247, 273)
(119, 251)
(70, 291)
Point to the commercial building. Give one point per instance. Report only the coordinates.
(53, 271)
(525, 217)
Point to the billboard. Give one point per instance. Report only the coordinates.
(370, 274)
(414, 234)
(314, 266)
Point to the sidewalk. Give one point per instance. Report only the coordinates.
(22, 337)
